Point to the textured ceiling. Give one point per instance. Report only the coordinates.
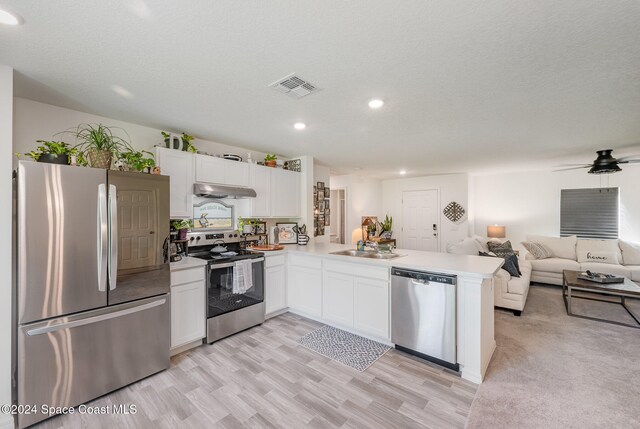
(468, 85)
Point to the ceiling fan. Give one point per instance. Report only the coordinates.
(605, 163)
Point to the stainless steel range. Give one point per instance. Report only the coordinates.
(229, 309)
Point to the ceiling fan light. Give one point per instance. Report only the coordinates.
(605, 169)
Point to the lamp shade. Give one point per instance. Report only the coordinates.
(496, 231)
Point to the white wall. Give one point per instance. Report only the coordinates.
(6, 197)
(363, 199)
(38, 121)
(452, 187)
(529, 202)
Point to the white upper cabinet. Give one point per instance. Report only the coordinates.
(285, 193)
(260, 181)
(210, 169)
(178, 165)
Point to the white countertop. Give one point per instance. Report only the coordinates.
(187, 262)
(446, 263)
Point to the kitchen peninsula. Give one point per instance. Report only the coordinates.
(353, 294)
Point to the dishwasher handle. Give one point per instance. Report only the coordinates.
(424, 277)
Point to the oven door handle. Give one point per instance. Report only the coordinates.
(231, 264)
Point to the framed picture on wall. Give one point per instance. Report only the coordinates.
(320, 195)
(286, 233)
(320, 185)
(327, 216)
(260, 227)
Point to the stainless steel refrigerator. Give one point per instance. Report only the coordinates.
(92, 283)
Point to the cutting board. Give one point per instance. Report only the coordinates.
(268, 248)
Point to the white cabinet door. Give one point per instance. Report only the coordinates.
(236, 173)
(285, 193)
(372, 307)
(305, 290)
(210, 169)
(178, 165)
(261, 183)
(188, 318)
(337, 298)
(275, 289)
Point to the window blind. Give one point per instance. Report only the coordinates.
(589, 213)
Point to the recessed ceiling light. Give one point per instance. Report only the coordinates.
(376, 103)
(403, 172)
(9, 18)
(299, 125)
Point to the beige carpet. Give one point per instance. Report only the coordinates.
(554, 371)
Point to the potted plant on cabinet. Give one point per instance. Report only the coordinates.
(98, 143)
(137, 161)
(271, 160)
(182, 226)
(53, 152)
(186, 141)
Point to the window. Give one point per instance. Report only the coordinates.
(589, 213)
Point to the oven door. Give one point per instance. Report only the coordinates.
(220, 296)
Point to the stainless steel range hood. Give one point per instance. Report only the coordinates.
(221, 191)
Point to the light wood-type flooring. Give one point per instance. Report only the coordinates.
(261, 378)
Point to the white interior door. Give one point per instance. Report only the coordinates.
(420, 220)
(138, 224)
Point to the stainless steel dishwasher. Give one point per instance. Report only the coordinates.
(423, 315)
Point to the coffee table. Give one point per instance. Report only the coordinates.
(628, 289)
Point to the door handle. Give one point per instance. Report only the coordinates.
(102, 237)
(113, 237)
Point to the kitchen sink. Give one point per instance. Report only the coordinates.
(367, 254)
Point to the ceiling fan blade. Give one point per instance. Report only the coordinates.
(629, 161)
(572, 168)
(629, 158)
(573, 165)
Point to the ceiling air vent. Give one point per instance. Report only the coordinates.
(294, 86)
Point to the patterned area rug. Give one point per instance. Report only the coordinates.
(347, 348)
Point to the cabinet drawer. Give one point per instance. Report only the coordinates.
(187, 276)
(305, 261)
(273, 261)
(357, 270)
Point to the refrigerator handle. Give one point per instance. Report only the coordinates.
(49, 327)
(113, 237)
(102, 237)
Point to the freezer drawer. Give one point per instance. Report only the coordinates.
(423, 314)
(71, 360)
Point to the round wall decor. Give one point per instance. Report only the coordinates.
(454, 211)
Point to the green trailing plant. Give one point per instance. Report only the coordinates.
(186, 139)
(245, 221)
(271, 157)
(387, 224)
(50, 148)
(136, 160)
(182, 224)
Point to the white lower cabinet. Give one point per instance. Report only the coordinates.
(275, 284)
(188, 317)
(337, 298)
(356, 297)
(372, 307)
(305, 285)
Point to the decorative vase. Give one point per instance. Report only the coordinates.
(271, 163)
(52, 158)
(182, 234)
(247, 229)
(100, 158)
(387, 235)
(303, 239)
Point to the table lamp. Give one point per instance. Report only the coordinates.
(496, 231)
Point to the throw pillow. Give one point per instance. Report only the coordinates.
(630, 252)
(538, 250)
(561, 247)
(510, 263)
(501, 249)
(482, 242)
(468, 246)
(598, 256)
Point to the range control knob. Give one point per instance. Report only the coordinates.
(230, 235)
(191, 239)
(198, 238)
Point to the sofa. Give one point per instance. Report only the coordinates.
(618, 257)
(509, 292)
